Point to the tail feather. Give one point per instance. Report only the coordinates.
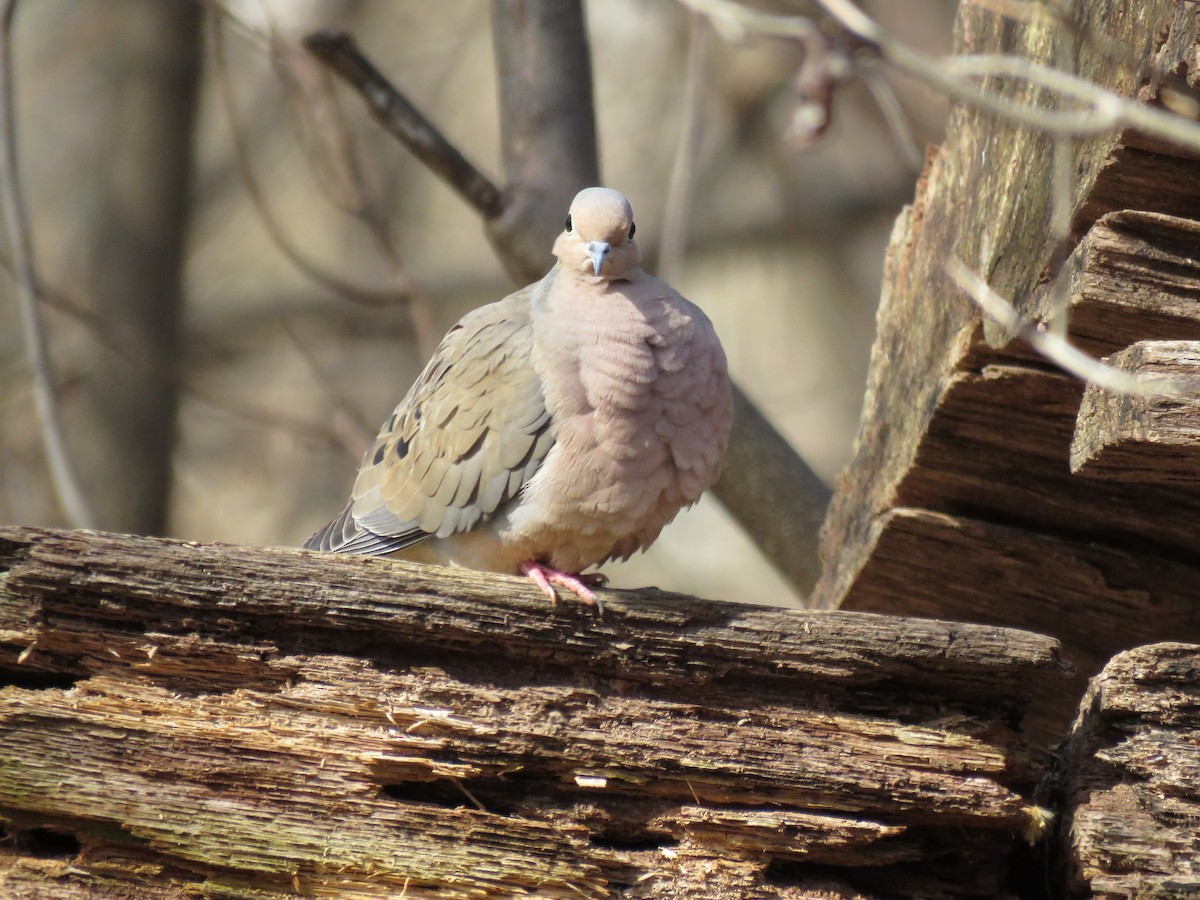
(344, 535)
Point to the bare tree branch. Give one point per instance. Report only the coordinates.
(1098, 111)
(549, 141)
(679, 189)
(1058, 350)
(62, 472)
(358, 293)
(893, 115)
(401, 119)
(333, 154)
(136, 356)
(774, 495)
(547, 126)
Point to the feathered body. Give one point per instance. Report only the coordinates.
(564, 425)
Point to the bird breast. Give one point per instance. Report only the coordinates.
(636, 386)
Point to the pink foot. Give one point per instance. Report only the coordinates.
(581, 586)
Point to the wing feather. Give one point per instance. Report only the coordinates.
(469, 434)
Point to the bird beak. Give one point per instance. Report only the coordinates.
(597, 250)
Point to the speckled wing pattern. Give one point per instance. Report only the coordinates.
(471, 431)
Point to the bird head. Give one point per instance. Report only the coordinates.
(597, 237)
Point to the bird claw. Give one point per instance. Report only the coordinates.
(546, 577)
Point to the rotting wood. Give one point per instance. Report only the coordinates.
(1145, 437)
(246, 721)
(1129, 779)
(984, 198)
(997, 455)
(1134, 276)
(1110, 596)
(962, 424)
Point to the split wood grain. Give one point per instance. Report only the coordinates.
(1144, 437)
(986, 433)
(242, 719)
(984, 198)
(1100, 597)
(1134, 276)
(1130, 778)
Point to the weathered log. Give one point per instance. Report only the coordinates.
(984, 198)
(1130, 778)
(960, 422)
(996, 458)
(185, 717)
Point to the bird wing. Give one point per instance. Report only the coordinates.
(470, 432)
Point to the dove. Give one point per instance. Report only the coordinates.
(553, 430)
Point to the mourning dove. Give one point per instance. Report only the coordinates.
(553, 430)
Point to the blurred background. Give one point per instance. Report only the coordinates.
(274, 231)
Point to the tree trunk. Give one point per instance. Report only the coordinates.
(138, 259)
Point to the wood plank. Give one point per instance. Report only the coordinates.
(998, 450)
(998, 428)
(1141, 175)
(242, 720)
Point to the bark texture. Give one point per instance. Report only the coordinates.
(961, 501)
(181, 718)
(144, 174)
(1131, 778)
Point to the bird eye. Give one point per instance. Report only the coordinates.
(632, 229)
(568, 224)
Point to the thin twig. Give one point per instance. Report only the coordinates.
(679, 187)
(893, 114)
(474, 800)
(735, 22)
(1102, 112)
(1059, 351)
(136, 356)
(360, 294)
(823, 70)
(1099, 111)
(62, 472)
(338, 400)
(313, 81)
(246, 30)
(400, 118)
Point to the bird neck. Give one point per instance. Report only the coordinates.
(583, 284)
